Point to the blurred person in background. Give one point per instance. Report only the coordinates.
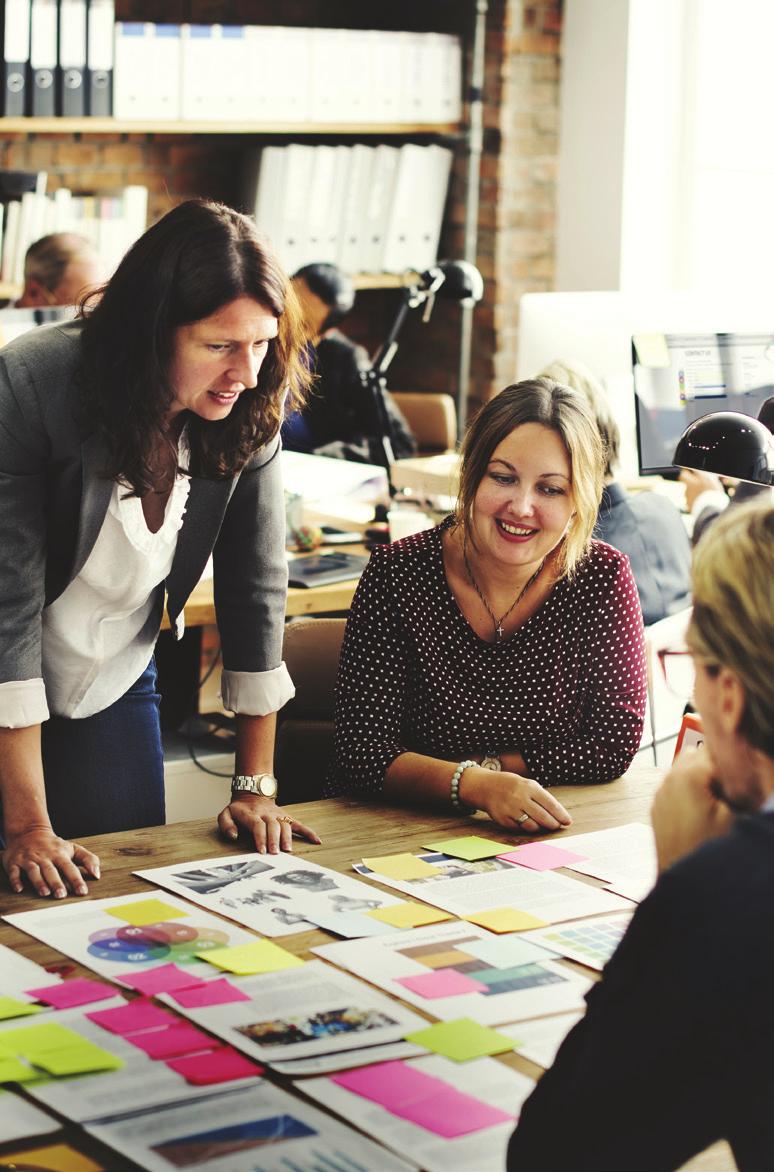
(59, 270)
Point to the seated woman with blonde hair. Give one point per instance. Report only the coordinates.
(501, 652)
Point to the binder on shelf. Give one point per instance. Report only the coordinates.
(320, 215)
(16, 56)
(198, 94)
(380, 197)
(146, 71)
(264, 194)
(297, 184)
(99, 57)
(72, 58)
(43, 57)
(352, 240)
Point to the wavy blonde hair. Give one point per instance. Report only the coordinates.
(733, 610)
(563, 410)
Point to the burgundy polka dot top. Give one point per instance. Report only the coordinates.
(566, 690)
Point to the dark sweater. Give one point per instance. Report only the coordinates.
(676, 1049)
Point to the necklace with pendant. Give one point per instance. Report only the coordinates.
(498, 623)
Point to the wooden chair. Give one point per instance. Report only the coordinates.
(432, 417)
(304, 747)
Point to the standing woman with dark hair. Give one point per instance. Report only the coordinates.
(501, 652)
(134, 442)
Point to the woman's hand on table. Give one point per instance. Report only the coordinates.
(506, 797)
(271, 828)
(51, 864)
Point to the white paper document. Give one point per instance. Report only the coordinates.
(327, 1063)
(17, 974)
(261, 1127)
(20, 1119)
(540, 1040)
(463, 888)
(591, 942)
(624, 857)
(303, 1012)
(484, 1150)
(506, 992)
(272, 894)
(141, 1083)
(99, 934)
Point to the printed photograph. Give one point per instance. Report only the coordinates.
(290, 1031)
(205, 881)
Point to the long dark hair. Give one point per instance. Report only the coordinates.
(198, 258)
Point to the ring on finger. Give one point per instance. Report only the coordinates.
(524, 818)
(288, 821)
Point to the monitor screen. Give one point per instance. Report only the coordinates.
(680, 377)
(14, 322)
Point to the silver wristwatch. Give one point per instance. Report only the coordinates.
(263, 785)
(491, 761)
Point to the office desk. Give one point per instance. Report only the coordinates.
(200, 609)
(348, 829)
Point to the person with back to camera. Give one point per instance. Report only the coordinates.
(338, 417)
(674, 1052)
(501, 652)
(134, 442)
(60, 269)
(643, 525)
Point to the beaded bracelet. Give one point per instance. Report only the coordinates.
(454, 791)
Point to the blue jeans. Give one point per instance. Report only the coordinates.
(106, 772)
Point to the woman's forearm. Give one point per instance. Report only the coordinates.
(255, 743)
(22, 789)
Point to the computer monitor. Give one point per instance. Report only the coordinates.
(678, 378)
(14, 322)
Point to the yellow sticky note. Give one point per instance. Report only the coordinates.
(408, 915)
(83, 1059)
(506, 919)
(461, 1040)
(145, 911)
(260, 956)
(14, 1070)
(10, 1007)
(651, 350)
(29, 1041)
(403, 866)
(54, 1158)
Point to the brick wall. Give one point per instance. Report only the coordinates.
(516, 223)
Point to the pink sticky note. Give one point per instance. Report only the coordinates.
(541, 856)
(179, 1038)
(164, 978)
(221, 1065)
(389, 1083)
(141, 1014)
(78, 991)
(450, 1113)
(219, 992)
(442, 983)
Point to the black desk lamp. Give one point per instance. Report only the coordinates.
(730, 444)
(457, 280)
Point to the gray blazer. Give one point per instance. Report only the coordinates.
(53, 502)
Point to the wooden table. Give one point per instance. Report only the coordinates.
(349, 830)
(199, 610)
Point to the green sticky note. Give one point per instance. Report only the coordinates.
(10, 1007)
(12, 1070)
(461, 1040)
(404, 866)
(145, 911)
(28, 1041)
(260, 956)
(469, 847)
(83, 1059)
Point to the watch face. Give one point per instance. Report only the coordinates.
(267, 786)
(492, 763)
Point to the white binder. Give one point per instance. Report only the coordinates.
(16, 57)
(72, 58)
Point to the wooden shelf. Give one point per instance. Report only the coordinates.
(8, 291)
(122, 126)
